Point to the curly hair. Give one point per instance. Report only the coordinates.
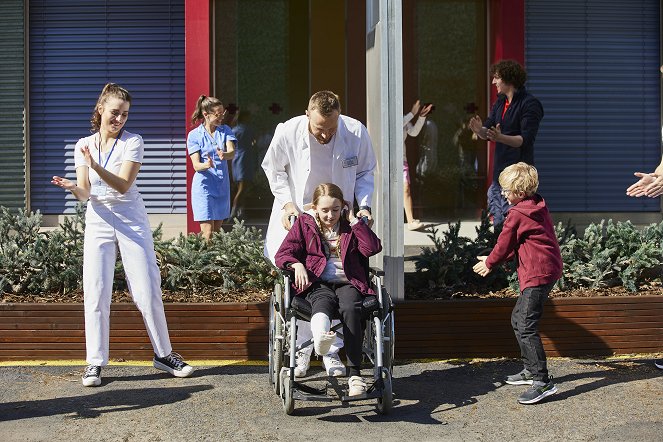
(110, 90)
(510, 72)
(325, 102)
(520, 178)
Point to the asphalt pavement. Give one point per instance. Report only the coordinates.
(605, 400)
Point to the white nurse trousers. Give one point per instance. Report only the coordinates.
(123, 224)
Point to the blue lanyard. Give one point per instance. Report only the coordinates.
(111, 151)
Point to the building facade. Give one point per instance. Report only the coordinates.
(593, 64)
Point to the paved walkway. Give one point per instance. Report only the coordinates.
(614, 399)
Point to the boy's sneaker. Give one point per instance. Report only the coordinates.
(92, 376)
(356, 386)
(173, 364)
(303, 362)
(659, 364)
(537, 392)
(522, 378)
(333, 365)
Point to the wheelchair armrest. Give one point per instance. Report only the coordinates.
(376, 271)
(369, 305)
(287, 272)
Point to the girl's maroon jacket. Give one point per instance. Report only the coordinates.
(303, 244)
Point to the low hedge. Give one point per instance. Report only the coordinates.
(607, 254)
(34, 261)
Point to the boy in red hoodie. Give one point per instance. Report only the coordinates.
(528, 235)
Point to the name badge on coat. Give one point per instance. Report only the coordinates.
(349, 162)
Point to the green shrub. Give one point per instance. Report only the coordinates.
(448, 264)
(34, 262)
(607, 254)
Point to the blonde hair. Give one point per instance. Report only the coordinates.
(520, 178)
(325, 102)
(110, 90)
(204, 104)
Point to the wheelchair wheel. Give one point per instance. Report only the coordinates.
(386, 402)
(275, 345)
(287, 394)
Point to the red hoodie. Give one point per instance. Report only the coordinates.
(528, 232)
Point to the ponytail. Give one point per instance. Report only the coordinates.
(204, 104)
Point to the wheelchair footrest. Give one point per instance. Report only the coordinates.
(303, 392)
(362, 397)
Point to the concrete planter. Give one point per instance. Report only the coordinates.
(424, 329)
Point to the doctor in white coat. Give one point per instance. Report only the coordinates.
(321, 146)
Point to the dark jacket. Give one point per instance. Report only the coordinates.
(528, 232)
(521, 118)
(304, 244)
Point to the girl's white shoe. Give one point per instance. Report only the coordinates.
(356, 386)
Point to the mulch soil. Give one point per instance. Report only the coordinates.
(654, 288)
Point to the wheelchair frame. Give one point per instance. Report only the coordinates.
(378, 349)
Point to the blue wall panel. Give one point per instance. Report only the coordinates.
(78, 46)
(595, 67)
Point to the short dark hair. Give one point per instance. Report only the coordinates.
(510, 71)
(325, 102)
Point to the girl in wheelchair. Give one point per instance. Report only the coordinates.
(328, 250)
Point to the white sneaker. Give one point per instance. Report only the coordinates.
(333, 365)
(323, 342)
(302, 362)
(92, 376)
(356, 386)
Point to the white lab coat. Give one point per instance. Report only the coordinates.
(287, 165)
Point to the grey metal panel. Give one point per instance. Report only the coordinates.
(77, 47)
(594, 66)
(12, 102)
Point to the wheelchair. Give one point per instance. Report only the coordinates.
(378, 347)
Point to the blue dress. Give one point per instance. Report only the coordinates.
(210, 189)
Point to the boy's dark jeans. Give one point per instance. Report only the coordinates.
(525, 322)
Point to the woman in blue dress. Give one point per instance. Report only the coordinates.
(210, 145)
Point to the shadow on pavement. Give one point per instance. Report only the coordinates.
(423, 398)
(95, 404)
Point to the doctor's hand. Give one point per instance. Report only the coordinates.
(481, 268)
(367, 214)
(288, 210)
(301, 275)
(220, 153)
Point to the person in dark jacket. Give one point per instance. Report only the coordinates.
(512, 124)
(329, 256)
(529, 236)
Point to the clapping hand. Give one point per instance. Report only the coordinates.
(63, 183)
(494, 133)
(649, 184)
(87, 156)
(475, 124)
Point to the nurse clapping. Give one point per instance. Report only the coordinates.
(107, 163)
(210, 145)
